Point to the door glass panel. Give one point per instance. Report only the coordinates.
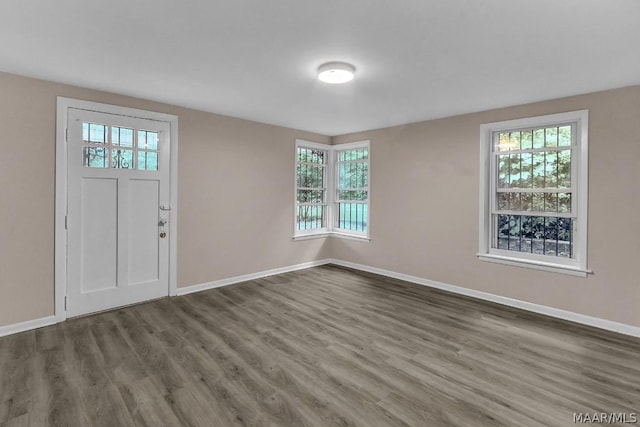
(95, 157)
(122, 159)
(147, 161)
(92, 132)
(119, 147)
(147, 140)
(122, 136)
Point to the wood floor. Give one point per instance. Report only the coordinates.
(325, 346)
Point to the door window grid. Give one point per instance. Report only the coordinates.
(106, 146)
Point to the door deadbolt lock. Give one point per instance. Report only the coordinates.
(163, 235)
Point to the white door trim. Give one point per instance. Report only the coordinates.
(63, 104)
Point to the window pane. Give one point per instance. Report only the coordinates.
(514, 140)
(514, 201)
(147, 140)
(503, 171)
(310, 176)
(527, 140)
(551, 137)
(564, 169)
(538, 138)
(551, 202)
(310, 217)
(538, 202)
(526, 201)
(122, 159)
(358, 195)
(551, 170)
(302, 154)
(152, 140)
(308, 155)
(538, 170)
(526, 170)
(353, 175)
(352, 216)
(94, 157)
(503, 201)
(564, 136)
(147, 160)
(96, 133)
(514, 171)
(503, 142)
(564, 202)
(122, 136)
(535, 234)
(310, 196)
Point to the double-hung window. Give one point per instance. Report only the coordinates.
(533, 207)
(332, 189)
(352, 192)
(311, 189)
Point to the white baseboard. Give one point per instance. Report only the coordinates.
(251, 276)
(536, 308)
(27, 326)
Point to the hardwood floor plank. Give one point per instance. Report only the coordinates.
(105, 407)
(326, 346)
(147, 404)
(57, 401)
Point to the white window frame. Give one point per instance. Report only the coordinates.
(331, 180)
(327, 188)
(579, 186)
(335, 162)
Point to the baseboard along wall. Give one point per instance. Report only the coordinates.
(27, 326)
(524, 305)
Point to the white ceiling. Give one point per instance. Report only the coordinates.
(257, 59)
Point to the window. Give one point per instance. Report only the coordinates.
(533, 207)
(311, 189)
(106, 146)
(332, 189)
(352, 193)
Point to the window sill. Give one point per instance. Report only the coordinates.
(359, 237)
(536, 265)
(332, 234)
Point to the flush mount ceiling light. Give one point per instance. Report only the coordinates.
(336, 72)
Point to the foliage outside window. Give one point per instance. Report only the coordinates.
(535, 189)
(311, 174)
(352, 198)
(332, 189)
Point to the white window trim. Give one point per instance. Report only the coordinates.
(318, 231)
(330, 230)
(580, 163)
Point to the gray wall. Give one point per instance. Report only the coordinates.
(236, 201)
(424, 207)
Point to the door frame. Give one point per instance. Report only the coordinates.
(60, 262)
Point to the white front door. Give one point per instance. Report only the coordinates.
(118, 210)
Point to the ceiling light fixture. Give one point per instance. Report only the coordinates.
(336, 72)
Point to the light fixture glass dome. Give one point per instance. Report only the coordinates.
(336, 72)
